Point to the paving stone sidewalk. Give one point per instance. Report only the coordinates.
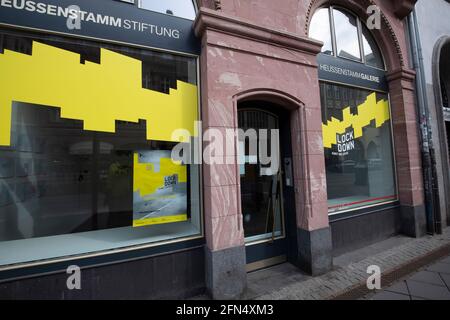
(430, 283)
(348, 279)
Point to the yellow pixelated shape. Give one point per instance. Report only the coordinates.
(367, 112)
(159, 220)
(146, 181)
(97, 94)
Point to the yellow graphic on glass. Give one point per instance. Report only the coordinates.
(369, 111)
(159, 187)
(97, 94)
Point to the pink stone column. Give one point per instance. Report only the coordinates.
(309, 166)
(313, 229)
(223, 220)
(239, 61)
(225, 248)
(407, 152)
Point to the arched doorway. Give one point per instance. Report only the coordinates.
(267, 189)
(441, 79)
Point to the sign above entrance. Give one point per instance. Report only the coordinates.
(351, 73)
(103, 20)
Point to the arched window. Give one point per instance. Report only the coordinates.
(178, 8)
(320, 29)
(357, 135)
(345, 36)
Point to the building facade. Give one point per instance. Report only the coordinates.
(430, 48)
(258, 55)
(86, 138)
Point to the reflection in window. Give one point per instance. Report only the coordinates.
(178, 8)
(260, 186)
(359, 163)
(372, 54)
(320, 29)
(345, 31)
(58, 178)
(347, 39)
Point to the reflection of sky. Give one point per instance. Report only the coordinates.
(371, 51)
(367, 47)
(180, 8)
(346, 35)
(320, 29)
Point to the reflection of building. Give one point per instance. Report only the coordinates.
(259, 66)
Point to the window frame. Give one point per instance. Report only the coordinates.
(330, 29)
(388, 204)
(360, 26)
(141, 250)
(351, 212)
(331, 10)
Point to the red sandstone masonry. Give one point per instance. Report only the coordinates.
(258, 48)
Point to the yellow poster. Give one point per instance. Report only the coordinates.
(159, 189)
(99, 94)
(341, 135)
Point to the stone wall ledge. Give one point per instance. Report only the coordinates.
(218, 21)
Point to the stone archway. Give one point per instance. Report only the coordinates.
(313, 233)
(441, 81)
(297, 118)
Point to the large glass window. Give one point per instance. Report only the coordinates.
(357, 133)
(358, 147)
(347, 40)
(85, 148)
(179, 8)
(372, 54)
(347, 37)
(320, 29)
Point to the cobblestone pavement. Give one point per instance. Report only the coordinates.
(430, 283)
(397, 257)
(350, 273)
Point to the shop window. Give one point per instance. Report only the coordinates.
(179, 8)
(357, 134)
(85, 148)
(358, 148)
(347, 37)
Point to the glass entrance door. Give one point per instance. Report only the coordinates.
(262, 191)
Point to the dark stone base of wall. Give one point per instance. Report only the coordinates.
(173, 276)
(414, 223)
(314, 251)
(352, 233)
(226, 275)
